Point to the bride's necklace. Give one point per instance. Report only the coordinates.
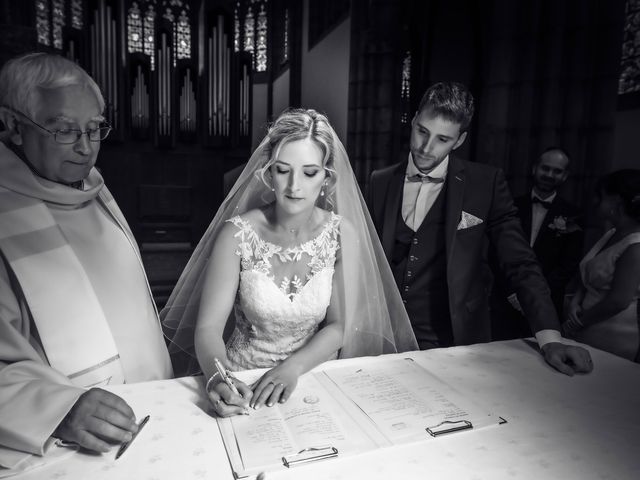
(295, 231)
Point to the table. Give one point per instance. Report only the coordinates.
(583, 427)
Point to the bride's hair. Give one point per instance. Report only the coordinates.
(299, 124)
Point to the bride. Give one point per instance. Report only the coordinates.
(292, 265)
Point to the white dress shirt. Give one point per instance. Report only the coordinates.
(419, 197)
(538, 212)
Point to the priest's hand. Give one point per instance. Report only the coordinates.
(98, 420)
(567, 359)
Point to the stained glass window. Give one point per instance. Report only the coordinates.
(261, 41)
(58, 23)
(183, 36)
(405, 86)
(236, 29)
(77, 20)
(280, 26)
(249, 32)
(285, 46)
(141, 27)
(134, 29)
(177, 12)
(50, 18)
(630, 62)
(148, 29)
(168, 14)
(42, 22)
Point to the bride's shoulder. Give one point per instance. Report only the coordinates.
(255, 215)
(344, 227)
(249, 220)
(327, 217)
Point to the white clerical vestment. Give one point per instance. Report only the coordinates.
(73, 242)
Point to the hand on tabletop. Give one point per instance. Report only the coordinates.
(276, 385)
(567, 359)
(98, 420)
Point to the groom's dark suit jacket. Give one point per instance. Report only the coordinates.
(481, 191)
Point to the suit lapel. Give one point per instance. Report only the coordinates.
(392, 207)
(554, 211)
(525, 216)
(455, 195)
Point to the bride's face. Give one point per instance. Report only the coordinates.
(298, 175)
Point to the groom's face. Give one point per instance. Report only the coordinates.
(432, 138)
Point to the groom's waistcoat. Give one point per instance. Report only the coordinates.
(419, 265)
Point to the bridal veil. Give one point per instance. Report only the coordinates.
(374, 315)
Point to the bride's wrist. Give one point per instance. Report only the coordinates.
(213, 380)
(293, 365)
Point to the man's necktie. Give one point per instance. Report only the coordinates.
(420, 209)
(544, 203)
(424, 178)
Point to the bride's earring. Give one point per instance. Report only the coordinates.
(322, 189)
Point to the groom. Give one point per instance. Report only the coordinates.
(436, 216)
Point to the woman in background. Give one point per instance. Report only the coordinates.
(604, 312)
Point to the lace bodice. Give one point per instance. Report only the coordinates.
(283, 294)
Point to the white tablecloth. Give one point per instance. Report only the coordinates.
(584, 427)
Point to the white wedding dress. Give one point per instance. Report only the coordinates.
(619, 334)
(283, 294)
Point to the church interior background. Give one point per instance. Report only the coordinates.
(190, 86)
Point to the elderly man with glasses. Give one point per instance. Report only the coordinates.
(76, 312)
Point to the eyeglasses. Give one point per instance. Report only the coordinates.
(68, 136)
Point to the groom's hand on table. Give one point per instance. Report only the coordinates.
(275, 386)
(225, 402)
(98, 420)
(567, 359)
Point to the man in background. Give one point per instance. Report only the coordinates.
(76, 311)
(550, 223)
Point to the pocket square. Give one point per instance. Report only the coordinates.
(467, 220)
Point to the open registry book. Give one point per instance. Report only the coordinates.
(345, 411)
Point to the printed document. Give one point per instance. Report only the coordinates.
(348, 410)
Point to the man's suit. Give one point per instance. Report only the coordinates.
(481, 191)
(558, 253)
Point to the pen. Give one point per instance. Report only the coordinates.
(125, 445)
(225, 376)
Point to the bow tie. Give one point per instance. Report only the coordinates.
(424, 178)
(544, 203)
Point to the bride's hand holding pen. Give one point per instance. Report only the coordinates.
(229, 396)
